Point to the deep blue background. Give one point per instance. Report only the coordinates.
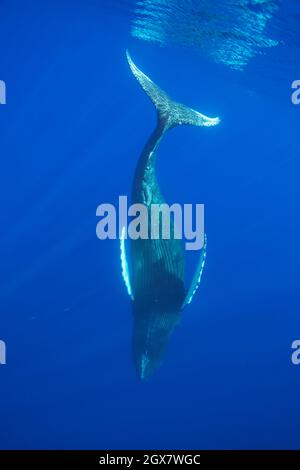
(70, 135)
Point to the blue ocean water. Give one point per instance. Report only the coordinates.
(71, 133)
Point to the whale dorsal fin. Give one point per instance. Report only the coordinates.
(197, 276)
(171, 112)
(124, 264)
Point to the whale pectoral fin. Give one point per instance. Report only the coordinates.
(124, 264)
(197, 276)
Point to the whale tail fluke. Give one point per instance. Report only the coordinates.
(169, 111)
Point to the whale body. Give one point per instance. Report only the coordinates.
(153, 269)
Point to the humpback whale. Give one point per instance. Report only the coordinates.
(153, 269)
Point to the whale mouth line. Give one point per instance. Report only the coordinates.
(151, 335)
